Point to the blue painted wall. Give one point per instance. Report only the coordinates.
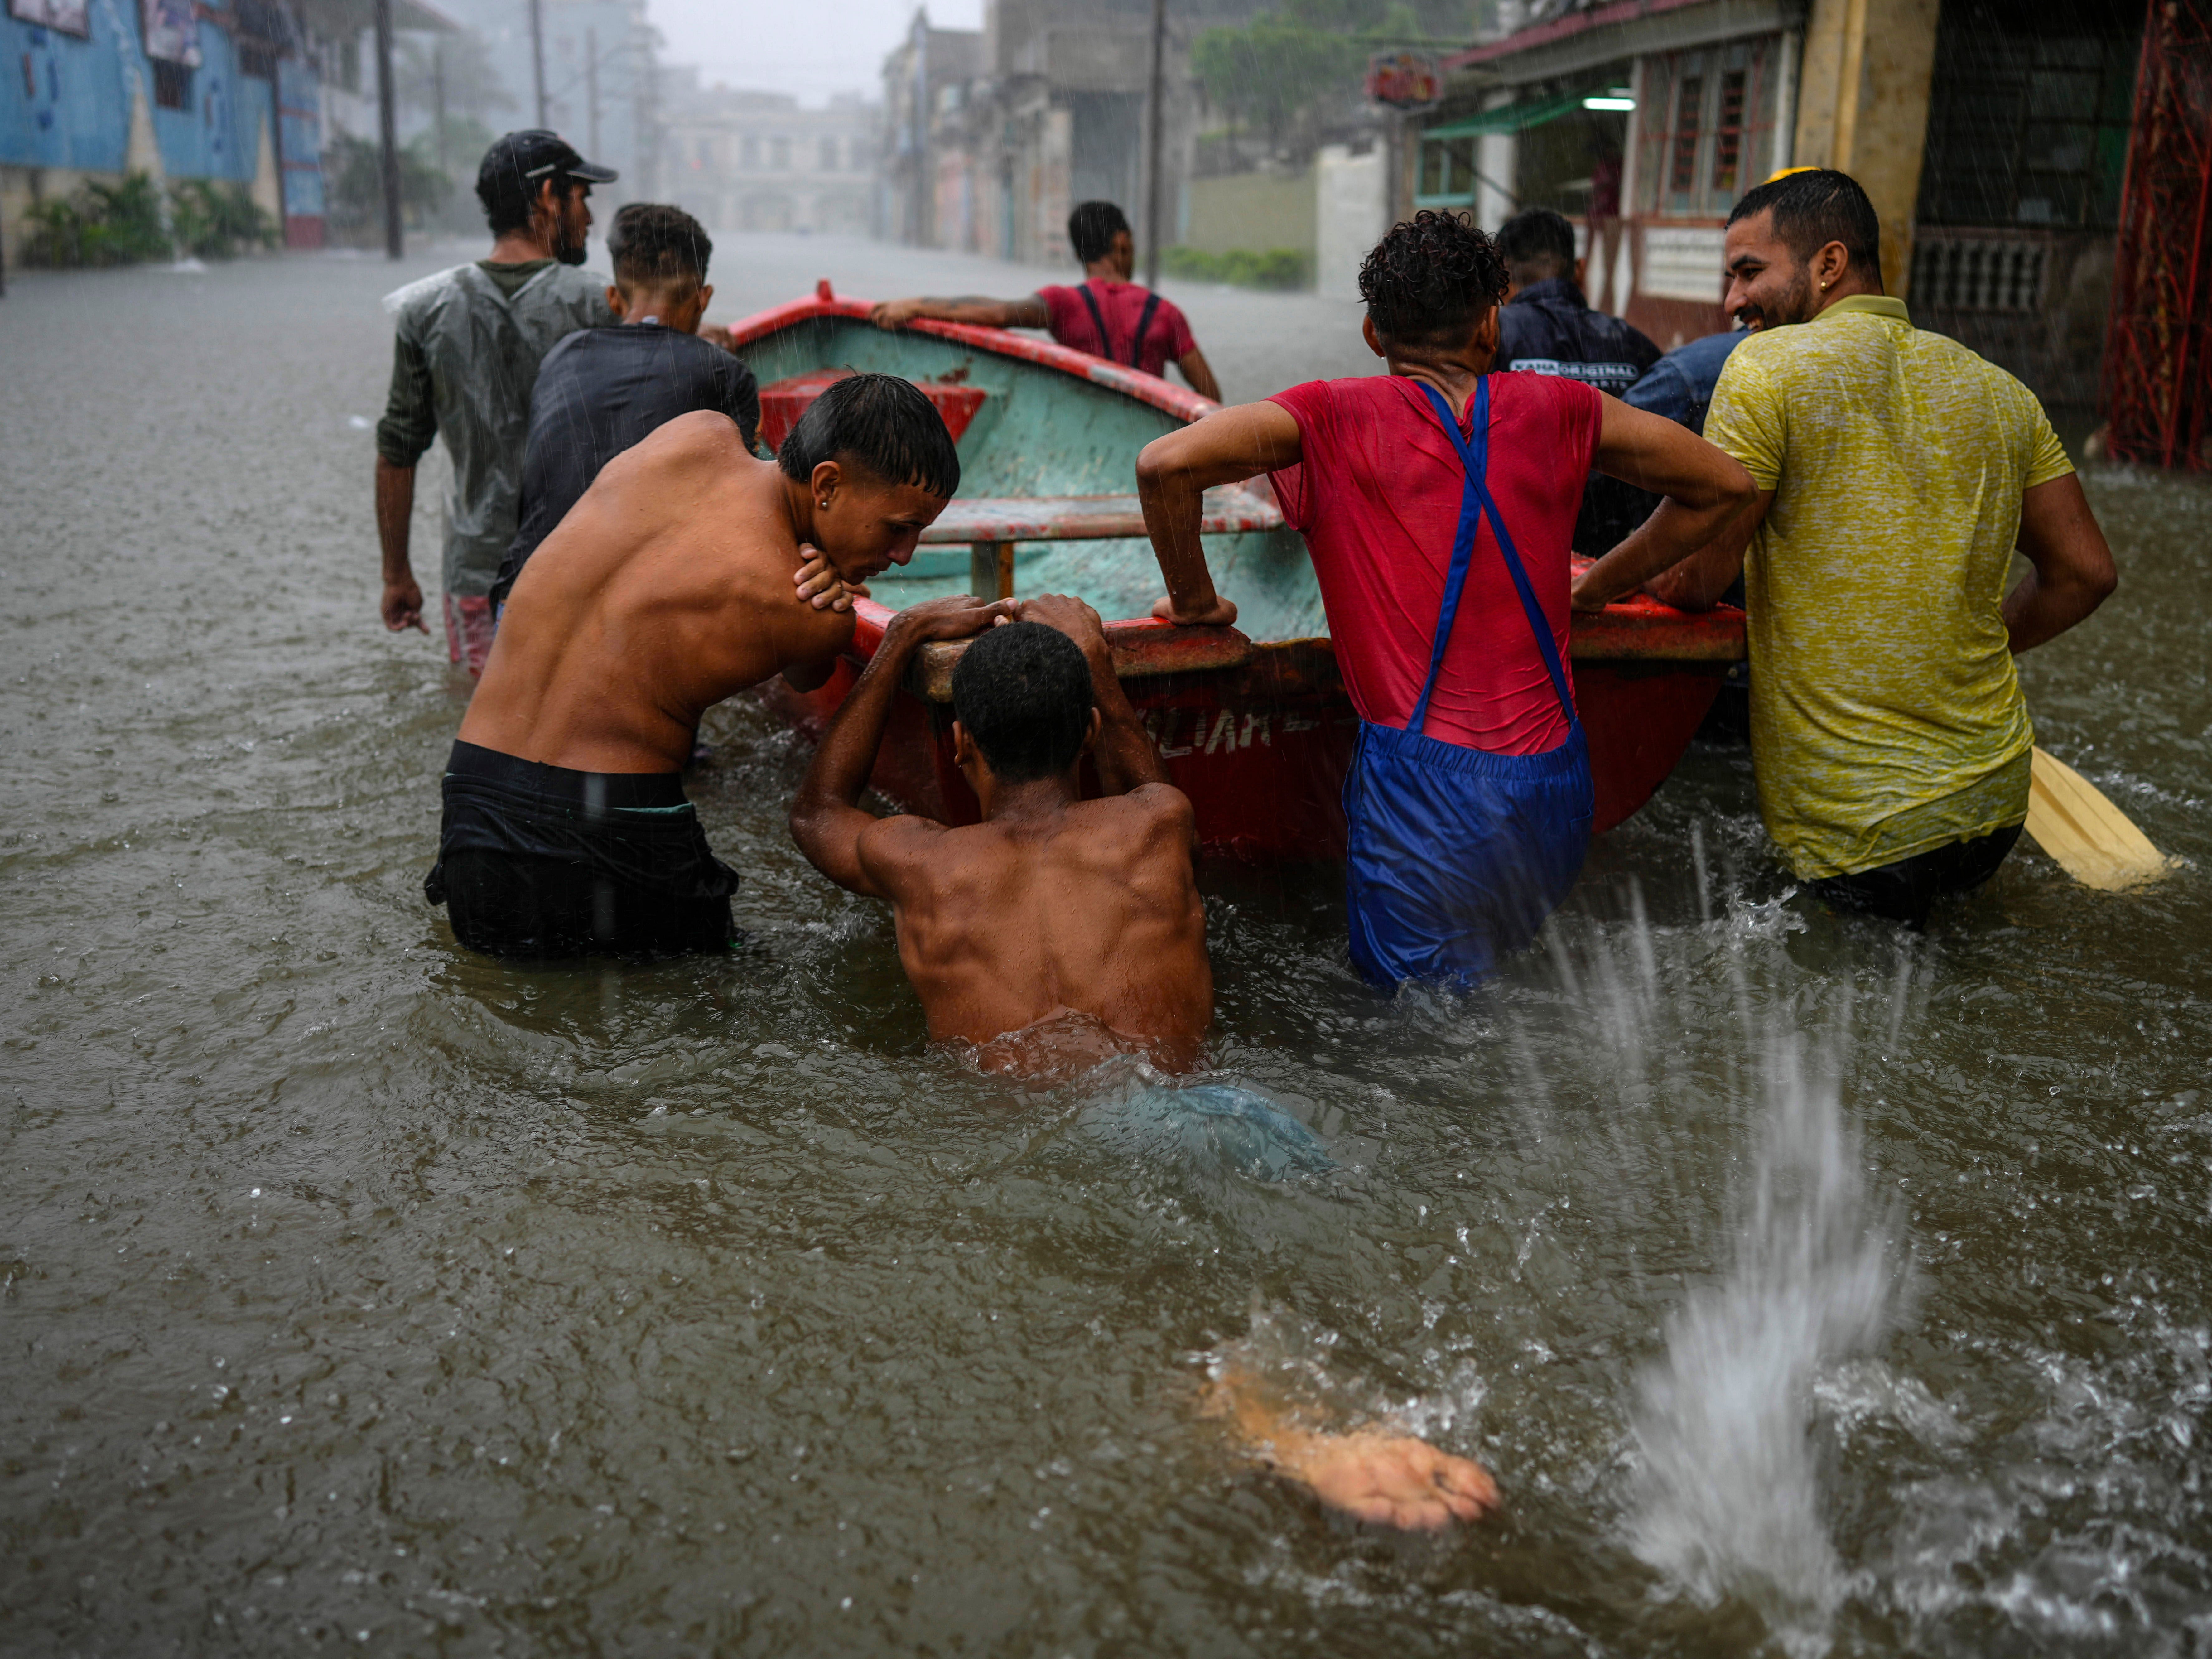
(65, 102)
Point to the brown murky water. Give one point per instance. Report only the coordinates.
(359, 1292)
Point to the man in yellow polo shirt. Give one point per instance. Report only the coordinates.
(1897, 472)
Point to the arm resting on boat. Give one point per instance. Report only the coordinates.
(1030, 313)
(2074, 572)
(1173, 474)
(1707, 493)
(395, 511)
(1698, 581)
(826, 820)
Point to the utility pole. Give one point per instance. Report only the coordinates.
(537, 54)
(438, 96)
(1155, 113)
(592, 84)
(387, 123)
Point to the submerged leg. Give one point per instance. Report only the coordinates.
(1384, 1479)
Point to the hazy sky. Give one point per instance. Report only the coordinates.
(810, 47)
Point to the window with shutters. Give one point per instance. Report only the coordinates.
(1705, 127)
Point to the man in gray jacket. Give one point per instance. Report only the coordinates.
(465, 362)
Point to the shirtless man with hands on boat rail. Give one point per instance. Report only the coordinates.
(687, 571)
(1058, 931)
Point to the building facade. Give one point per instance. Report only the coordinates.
(1991, 134)
(992, 136)
(602, 82)
(758, 162)
(234, 93)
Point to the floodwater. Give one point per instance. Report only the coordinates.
(1808, 1288)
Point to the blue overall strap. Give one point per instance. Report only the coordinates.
(1097, 321)
(1475, 456)
(1144, 327)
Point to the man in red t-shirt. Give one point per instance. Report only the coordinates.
(1108, 316)
(1438, 502)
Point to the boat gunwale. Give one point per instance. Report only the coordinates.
(1636, 629)
(1185, 406)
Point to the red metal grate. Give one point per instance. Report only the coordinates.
(2157, 352)
(784, 401)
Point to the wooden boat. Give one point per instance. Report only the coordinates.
(1253, 721)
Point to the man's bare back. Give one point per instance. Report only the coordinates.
(1088, 910)
(1058, 929)
(668, 587)
(687, 571)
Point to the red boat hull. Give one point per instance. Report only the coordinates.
(1258, 734)
(1262, 746)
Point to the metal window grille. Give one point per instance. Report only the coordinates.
(1728, 145)
(1689, 101)
(1979, 273)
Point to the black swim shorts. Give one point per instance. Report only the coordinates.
(542, 861)
(1907, 890)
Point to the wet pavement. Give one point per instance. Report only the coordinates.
(1808, 1287)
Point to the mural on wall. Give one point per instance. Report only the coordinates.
(42, 81)
(69, 16)
(173, 31)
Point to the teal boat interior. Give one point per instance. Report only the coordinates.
(1042, 449)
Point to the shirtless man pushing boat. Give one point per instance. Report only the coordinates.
(1059, 931)
(686, 573)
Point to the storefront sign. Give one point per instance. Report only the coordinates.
(1405, 79)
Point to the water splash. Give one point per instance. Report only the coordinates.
(1728, 1500)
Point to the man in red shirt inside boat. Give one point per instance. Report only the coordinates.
(687, 571)
(1438, 502)
(1108, 316)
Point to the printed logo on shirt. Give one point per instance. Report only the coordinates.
(1606, 376)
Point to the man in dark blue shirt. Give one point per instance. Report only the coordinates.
(1679, 385)
(1545, 326)
(602, 390)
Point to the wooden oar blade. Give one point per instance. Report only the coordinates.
(2093, 840)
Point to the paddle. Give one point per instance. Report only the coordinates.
(2092, 839)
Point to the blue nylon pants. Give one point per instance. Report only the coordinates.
(1455, 855)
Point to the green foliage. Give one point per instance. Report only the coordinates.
(1286, 61)
(353, 184)
(1267, 72)
(102, 225)
(1277, 267)
(215, 220)
(120, 224)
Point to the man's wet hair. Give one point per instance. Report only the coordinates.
(1023, 692)
(1092, 229)
(1814, 208)
(507, 200)
(655, 246)
(1429, 280)
(1537, 237)
(880, 423)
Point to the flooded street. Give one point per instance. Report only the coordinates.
(1808, 1287)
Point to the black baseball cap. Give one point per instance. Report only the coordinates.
(517, 160)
